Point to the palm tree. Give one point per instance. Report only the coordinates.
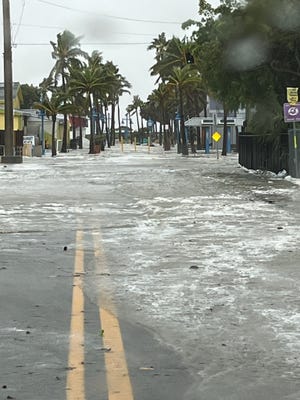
(52, 105)
(182, 79)
(89, 80)
(176, 53)
(118, 85)
(136, 106)
(66, 52)
(80, 109)
(159, 98)
(122, 86)
(159, 45)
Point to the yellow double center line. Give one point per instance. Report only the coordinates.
(75, 376)
(117, 376)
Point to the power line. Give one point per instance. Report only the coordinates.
(40, 26)
(62, 28)
(150, 21)
(89, 44)
(19, 23)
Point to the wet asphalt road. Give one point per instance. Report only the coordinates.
(203, 269)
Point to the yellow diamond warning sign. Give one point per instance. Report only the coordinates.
(216, 136)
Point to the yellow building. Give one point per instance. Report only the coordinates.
(17, 101)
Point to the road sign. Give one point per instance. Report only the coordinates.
(292, 95)
(150, 123)
(291, 112)
(216, 136)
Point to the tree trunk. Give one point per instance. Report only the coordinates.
(184, 145)
(112, 125)
(138, 123)
(92, 133)
(162, 129)
(173, 132)
(80, 132)
(65, 130)
(53, 145)
(166, 137)
(160, 135)
(198, 138)
(106, 127)
(225, 132)
(65, 135)
(73, 127)
(142, 128)
(119, 120)
(192, 139)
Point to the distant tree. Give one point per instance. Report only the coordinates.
(89, 81)
(135, 108)
(182, 79)
(66, 53)
(53, 103)
(31, 94)
(80, 109)
(158, 105)
(117, 86)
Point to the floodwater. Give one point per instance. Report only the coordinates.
(201, 251)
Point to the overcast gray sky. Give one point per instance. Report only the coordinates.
(121, 30)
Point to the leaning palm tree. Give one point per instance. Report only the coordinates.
(159, 45)
(135, 108)
(175, 53)
(66, 51)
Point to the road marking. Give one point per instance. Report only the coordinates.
(117, 376)
(75, 378)
(118, 381)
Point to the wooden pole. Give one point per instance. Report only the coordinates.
(8, 89)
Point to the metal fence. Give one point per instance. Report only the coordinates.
(294, 146)
(264, 152)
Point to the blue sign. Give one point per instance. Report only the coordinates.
(150, 123)
(291, 112)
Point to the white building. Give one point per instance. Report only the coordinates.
(214, 122)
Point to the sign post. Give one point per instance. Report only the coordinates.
(216, 137)
(150, 124)
(291, 111)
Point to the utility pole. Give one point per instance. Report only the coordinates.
(8, 90)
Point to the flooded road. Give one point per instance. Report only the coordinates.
(199, 251)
